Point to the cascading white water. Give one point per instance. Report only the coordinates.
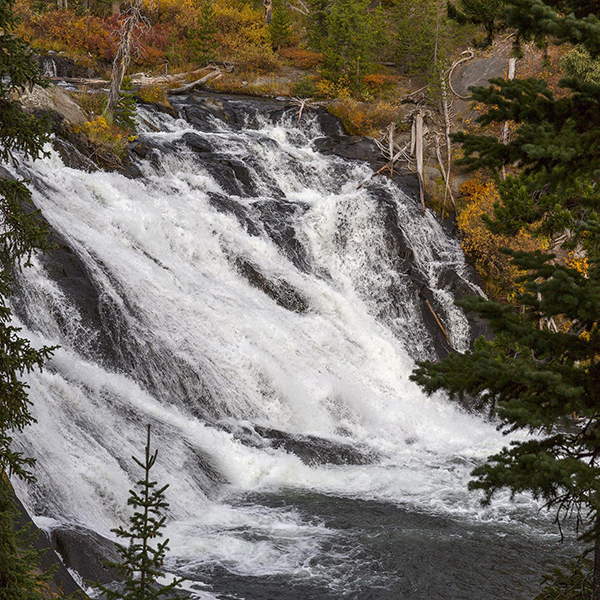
(218, 360)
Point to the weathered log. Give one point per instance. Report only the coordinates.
(185, 89)
(437, 320)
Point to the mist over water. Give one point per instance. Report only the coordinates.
(254, 313)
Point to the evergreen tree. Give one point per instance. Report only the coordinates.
(21, 234)
(348, 48)
(202, 41)
(19, 562)
(280, 28)
(318, 23)
(573, 21)
(126, 107)
(487, 13)
(421, 32)
(141, 563)
(542, 371)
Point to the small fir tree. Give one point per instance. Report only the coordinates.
(126, 107)
(142, 563)
(280, 28)
(202, 41)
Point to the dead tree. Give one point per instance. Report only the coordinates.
(268, 5)
(390, 150)
(512, 64)
(468, 54)
(418, 138)
(446, 105)
(301, 7)
(132, 24)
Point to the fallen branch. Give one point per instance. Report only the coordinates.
(470, 54)
(406, 98)
(437, 320)
(302, 9)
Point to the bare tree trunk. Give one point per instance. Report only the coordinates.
(512, 63)
(123, 57)
(115, 7)
(419, 156)
(268, 4)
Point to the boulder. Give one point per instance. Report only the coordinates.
(55, 99)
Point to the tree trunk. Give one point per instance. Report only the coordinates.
(123, 57)
(512, 65)
(268, 4)
(419, 156)
(115, 7)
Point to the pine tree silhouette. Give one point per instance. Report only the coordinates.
(141, 563)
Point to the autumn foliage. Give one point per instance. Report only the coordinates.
(484, 248)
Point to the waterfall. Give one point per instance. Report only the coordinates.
(259, 303)
(48, 67)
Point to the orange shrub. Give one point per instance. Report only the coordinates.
(256, 58)
(379, 82)
(361, 118)
(74, 32)
(301, 58)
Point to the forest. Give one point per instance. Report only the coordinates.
(510, 167)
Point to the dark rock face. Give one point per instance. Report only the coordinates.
(279, 290)
(86, 553)
(310, 449)
(62, 582)
(56, 65)
(348, 147)
(278, 221)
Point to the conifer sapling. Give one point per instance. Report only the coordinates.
(142, 562)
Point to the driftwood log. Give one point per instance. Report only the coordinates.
(190, 87)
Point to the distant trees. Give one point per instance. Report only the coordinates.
(542, 371)
(420, 33)
(348, 33)
(202, 39)
(487, 13)
(280, 28)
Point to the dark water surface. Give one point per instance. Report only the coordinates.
(385, 552)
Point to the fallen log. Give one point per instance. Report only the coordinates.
(190, 87)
